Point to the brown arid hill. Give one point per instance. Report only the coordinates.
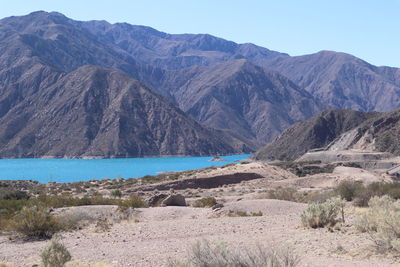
(97, 112)
(316, 132)
(242, 98)
(340, 80)
(380, 133)
(249, 93)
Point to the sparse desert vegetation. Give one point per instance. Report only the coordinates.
(382, 223)
(219, 254)
(323, 214)
(281, 206)
(55, 254)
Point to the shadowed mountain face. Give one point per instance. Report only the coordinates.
(248, 93)
(100, 112)
(316, 132)
(245, 99)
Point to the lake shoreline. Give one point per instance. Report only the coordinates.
(144, 157)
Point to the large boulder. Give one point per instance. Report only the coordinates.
(174, 200)
(156, 199)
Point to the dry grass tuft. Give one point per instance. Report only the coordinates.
(382, 223)
(323, 214)
(206, 254)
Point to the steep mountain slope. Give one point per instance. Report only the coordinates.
(56, 41)
(219, 83)
(343, 81)
(175, 51)
(337, 80)
(316, 132)
(99, 112)
(380, 133)
(240, 97)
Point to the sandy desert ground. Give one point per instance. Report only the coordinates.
(153, 235)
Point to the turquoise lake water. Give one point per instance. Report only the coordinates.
(72, 170)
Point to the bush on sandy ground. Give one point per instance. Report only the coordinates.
(382, 223)
(323, 214)
(284, 193)
(103, 225)
(238, 213)
(348, 190)
(116, 193)
(35, 222)
(133, 202)
(205, 202)
(206, 254)
(360, 194)
(55, 254)
(74, 220)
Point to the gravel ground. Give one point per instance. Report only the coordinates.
(160, 233)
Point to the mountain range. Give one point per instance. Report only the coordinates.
(75, 89)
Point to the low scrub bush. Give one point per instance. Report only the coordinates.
(74, 220)
(382, 223)
(205, 202)
(7, 194)
(207, 254)
(323, 214)
(35, 222)
(133, 202)
(55, 254)
(348, 190)
(360, 194)
(238, 213)
(103, 225)
(116, 193)
(281, 193)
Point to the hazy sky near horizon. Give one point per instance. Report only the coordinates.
(368, 29)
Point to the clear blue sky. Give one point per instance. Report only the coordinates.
(369, 29)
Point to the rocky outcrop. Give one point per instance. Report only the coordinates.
(174, 200)
(380, 133)
(317, 132)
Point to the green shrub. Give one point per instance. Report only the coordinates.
(205, 202)
(348, 190)
(7, 194)
(318, 215)
(382, 223)
(35, 223)
(116, 193)
(218, 254)
(361, 194)
(238, 213)
(283, 193)
(55, 254)
(133, 202)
